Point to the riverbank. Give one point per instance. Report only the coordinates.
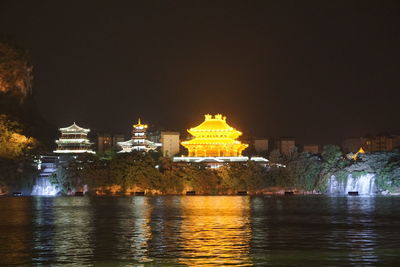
(127, 173)
(331, 172)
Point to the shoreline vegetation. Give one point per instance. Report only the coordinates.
(305, 173)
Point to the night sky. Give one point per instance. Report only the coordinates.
(319, 71)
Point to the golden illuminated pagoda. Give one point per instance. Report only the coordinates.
(214, 138)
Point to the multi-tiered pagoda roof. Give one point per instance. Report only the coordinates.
(139, 141)
(214, 138)
(73, 140)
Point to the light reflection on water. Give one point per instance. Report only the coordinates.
(215, 230)
(200, 230)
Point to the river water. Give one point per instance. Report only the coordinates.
(200, 230)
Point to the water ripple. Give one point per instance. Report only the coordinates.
(200, 230)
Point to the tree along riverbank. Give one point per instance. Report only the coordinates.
(305, 173)
(17, 168)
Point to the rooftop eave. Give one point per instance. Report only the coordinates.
(74, 128)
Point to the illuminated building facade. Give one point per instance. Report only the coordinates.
(73, 140)
(170, 143)
(215, 143)
(378, 143)
(381, 142)
(139, 141)
(214, 138)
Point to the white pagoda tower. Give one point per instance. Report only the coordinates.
(138, 141)
(73, 140)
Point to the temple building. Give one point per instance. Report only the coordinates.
(139, 141)
(73, 140)
(214, 138)
(215, 142)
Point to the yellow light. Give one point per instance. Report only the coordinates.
(206, 145)
(19, 138)
(139, 124)
(360, 151)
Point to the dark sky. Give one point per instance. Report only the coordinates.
(316, 70)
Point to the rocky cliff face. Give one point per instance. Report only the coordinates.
(16, 98)
(15, 72)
